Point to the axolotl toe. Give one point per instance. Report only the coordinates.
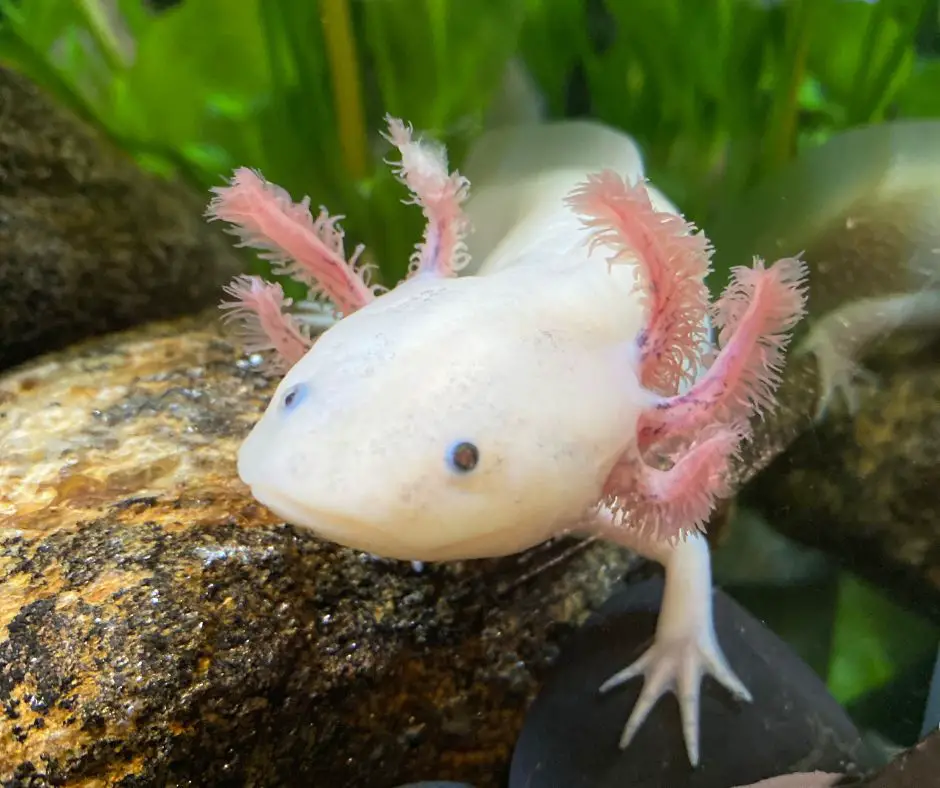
(570, 383)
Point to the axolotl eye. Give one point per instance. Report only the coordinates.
(463, 456)
(294, 396)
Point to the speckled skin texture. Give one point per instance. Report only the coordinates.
(88, 242)
(158, 627)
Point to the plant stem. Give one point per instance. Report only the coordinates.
(879, 87)
(782, 129)
(866, 51)
(108, 40)
(347, 91)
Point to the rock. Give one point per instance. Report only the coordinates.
(90, 242)
(158, 627)
(863, 488)
(571, 733)
(918, 767)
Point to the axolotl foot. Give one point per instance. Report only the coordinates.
(685, 648)
(841, 376)
(678, 663)
(840, 338)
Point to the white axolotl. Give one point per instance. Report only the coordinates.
(561, 384)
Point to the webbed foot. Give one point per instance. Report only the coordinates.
(678, 664)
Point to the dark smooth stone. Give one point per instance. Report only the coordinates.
(571, 734)
(89, 242)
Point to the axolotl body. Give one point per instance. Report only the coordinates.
(566, 382)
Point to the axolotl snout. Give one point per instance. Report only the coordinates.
(569, 383)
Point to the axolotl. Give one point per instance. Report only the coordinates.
(546, 367)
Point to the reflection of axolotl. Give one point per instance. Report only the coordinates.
(863, 207)
(563, 387)
(855, 441)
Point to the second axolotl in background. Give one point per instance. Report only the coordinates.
(565, 382)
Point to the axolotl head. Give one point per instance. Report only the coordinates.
(449, 418)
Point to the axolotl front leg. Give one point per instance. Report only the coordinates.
(685, 647)
(661, 492)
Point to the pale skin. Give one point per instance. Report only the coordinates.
(556, 386)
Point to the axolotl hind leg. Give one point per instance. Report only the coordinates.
(685, 648)
(658, 513)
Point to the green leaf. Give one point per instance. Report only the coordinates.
(136, 16)
(434, 61)
(919, 97)
(50, 42)
(862, 52)
(17, 50)
(553, 40)
(874, 639)
(715, 93)
(184, 57)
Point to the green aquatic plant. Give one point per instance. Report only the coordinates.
(721, 94)
(295, 89)
(718, 94)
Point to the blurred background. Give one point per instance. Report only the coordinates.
(720, 94)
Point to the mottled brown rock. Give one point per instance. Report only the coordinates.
(867, 489)
(918, 767)
(89, 242)
(158, 627)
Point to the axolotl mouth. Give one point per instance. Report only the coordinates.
(330, 525)
(392, 543)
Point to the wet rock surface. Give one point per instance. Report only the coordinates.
(571, 732)
(158, 627)
(89, 242)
